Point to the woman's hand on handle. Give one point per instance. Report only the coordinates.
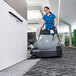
(55, 22)
(54, 25)
(42, 25)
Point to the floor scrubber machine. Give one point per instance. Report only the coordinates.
(47, 45)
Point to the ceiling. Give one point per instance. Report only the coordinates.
(68, 12)
(34, 16)
(19, 6)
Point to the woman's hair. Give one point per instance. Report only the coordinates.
(47, 8)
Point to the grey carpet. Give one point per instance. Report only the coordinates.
(62, 66)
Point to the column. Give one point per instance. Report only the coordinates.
(70, 36)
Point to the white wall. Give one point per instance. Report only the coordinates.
(13, 37)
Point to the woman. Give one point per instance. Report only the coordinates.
(49, 19)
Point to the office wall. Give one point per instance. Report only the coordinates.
(13, 37)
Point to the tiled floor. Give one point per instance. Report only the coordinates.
(63, 66)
